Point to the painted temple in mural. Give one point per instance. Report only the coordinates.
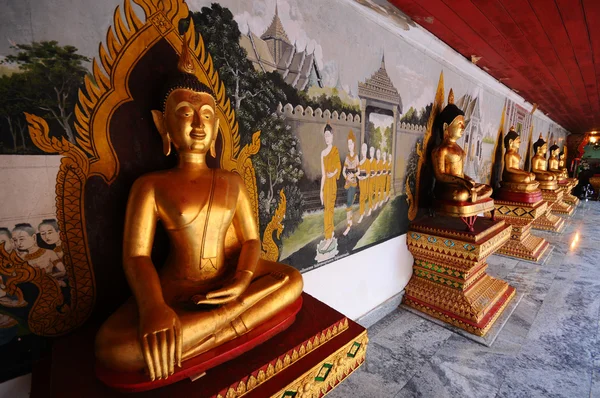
(273, 51)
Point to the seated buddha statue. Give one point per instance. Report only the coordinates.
(514, 178)
(198, 300)
(562, 163)
(554, 162)
(547, 180)
(448, 160)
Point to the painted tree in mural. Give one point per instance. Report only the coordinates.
(12, 106)
(53, 75)
(419, 118)
(255, 96)
(279, 167)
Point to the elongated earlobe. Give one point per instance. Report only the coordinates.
(159, 120)
(213, 150)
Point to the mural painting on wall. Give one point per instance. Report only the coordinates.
(339, 132)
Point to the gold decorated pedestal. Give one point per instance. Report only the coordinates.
(449, 279)
(520, 216)
(556, 203)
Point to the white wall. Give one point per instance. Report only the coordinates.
(356, 284)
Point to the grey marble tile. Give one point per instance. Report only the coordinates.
(549, 347)
(383, 374)
(534, 380)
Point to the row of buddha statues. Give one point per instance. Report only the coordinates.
(199, 299)
(455, 186)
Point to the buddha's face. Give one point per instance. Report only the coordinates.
(543, 149)
(363, 149)
(554, 153)
(456, 128)
(328, 137)
(49, 234)
(516, 143)
(7, 240)
(23, 240)
(190, 120)
(351, 146)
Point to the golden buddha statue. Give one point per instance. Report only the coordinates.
(198, 300)
(562, 163)
(546, 179)
(448, 161)
(514, 178)
(554, 162)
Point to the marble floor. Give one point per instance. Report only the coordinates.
(549, 347)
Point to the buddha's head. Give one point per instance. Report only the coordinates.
(49, 232)
(554, 150)
(6, 238)
(188, 119)
(512, 140)
(372, 152)
(328, 134)
(24, 236)
(561, 156)
(351, 141)
(451, 120)
(540, 147)
(364, 149)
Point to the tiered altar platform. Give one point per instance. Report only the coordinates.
(315, 353)
(450, 280)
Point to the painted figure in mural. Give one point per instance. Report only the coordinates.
(547, 179)
(384, 172)
(513, 173)
(25, 240)
(7, 239)
(372, 180)
(6, 300)
(330, 173)
(198, 300)
(50, 234)
(350, 173)
(389, 178)
(378, 176)
(554, 162)
(363, 181)
(448, 160)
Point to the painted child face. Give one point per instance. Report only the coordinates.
(23, 240)
(49, 234)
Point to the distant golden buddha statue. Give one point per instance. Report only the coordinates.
(198, 300)
(554, 162)
(514, 178)
(562, 163)
(448, 161)
(546, 179)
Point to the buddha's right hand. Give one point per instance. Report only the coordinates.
(161, 340)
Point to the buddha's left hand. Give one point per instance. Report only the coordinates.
(228, 293)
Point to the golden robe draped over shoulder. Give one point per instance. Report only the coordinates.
(331, 163)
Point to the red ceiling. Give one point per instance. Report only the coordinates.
(546, 50)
